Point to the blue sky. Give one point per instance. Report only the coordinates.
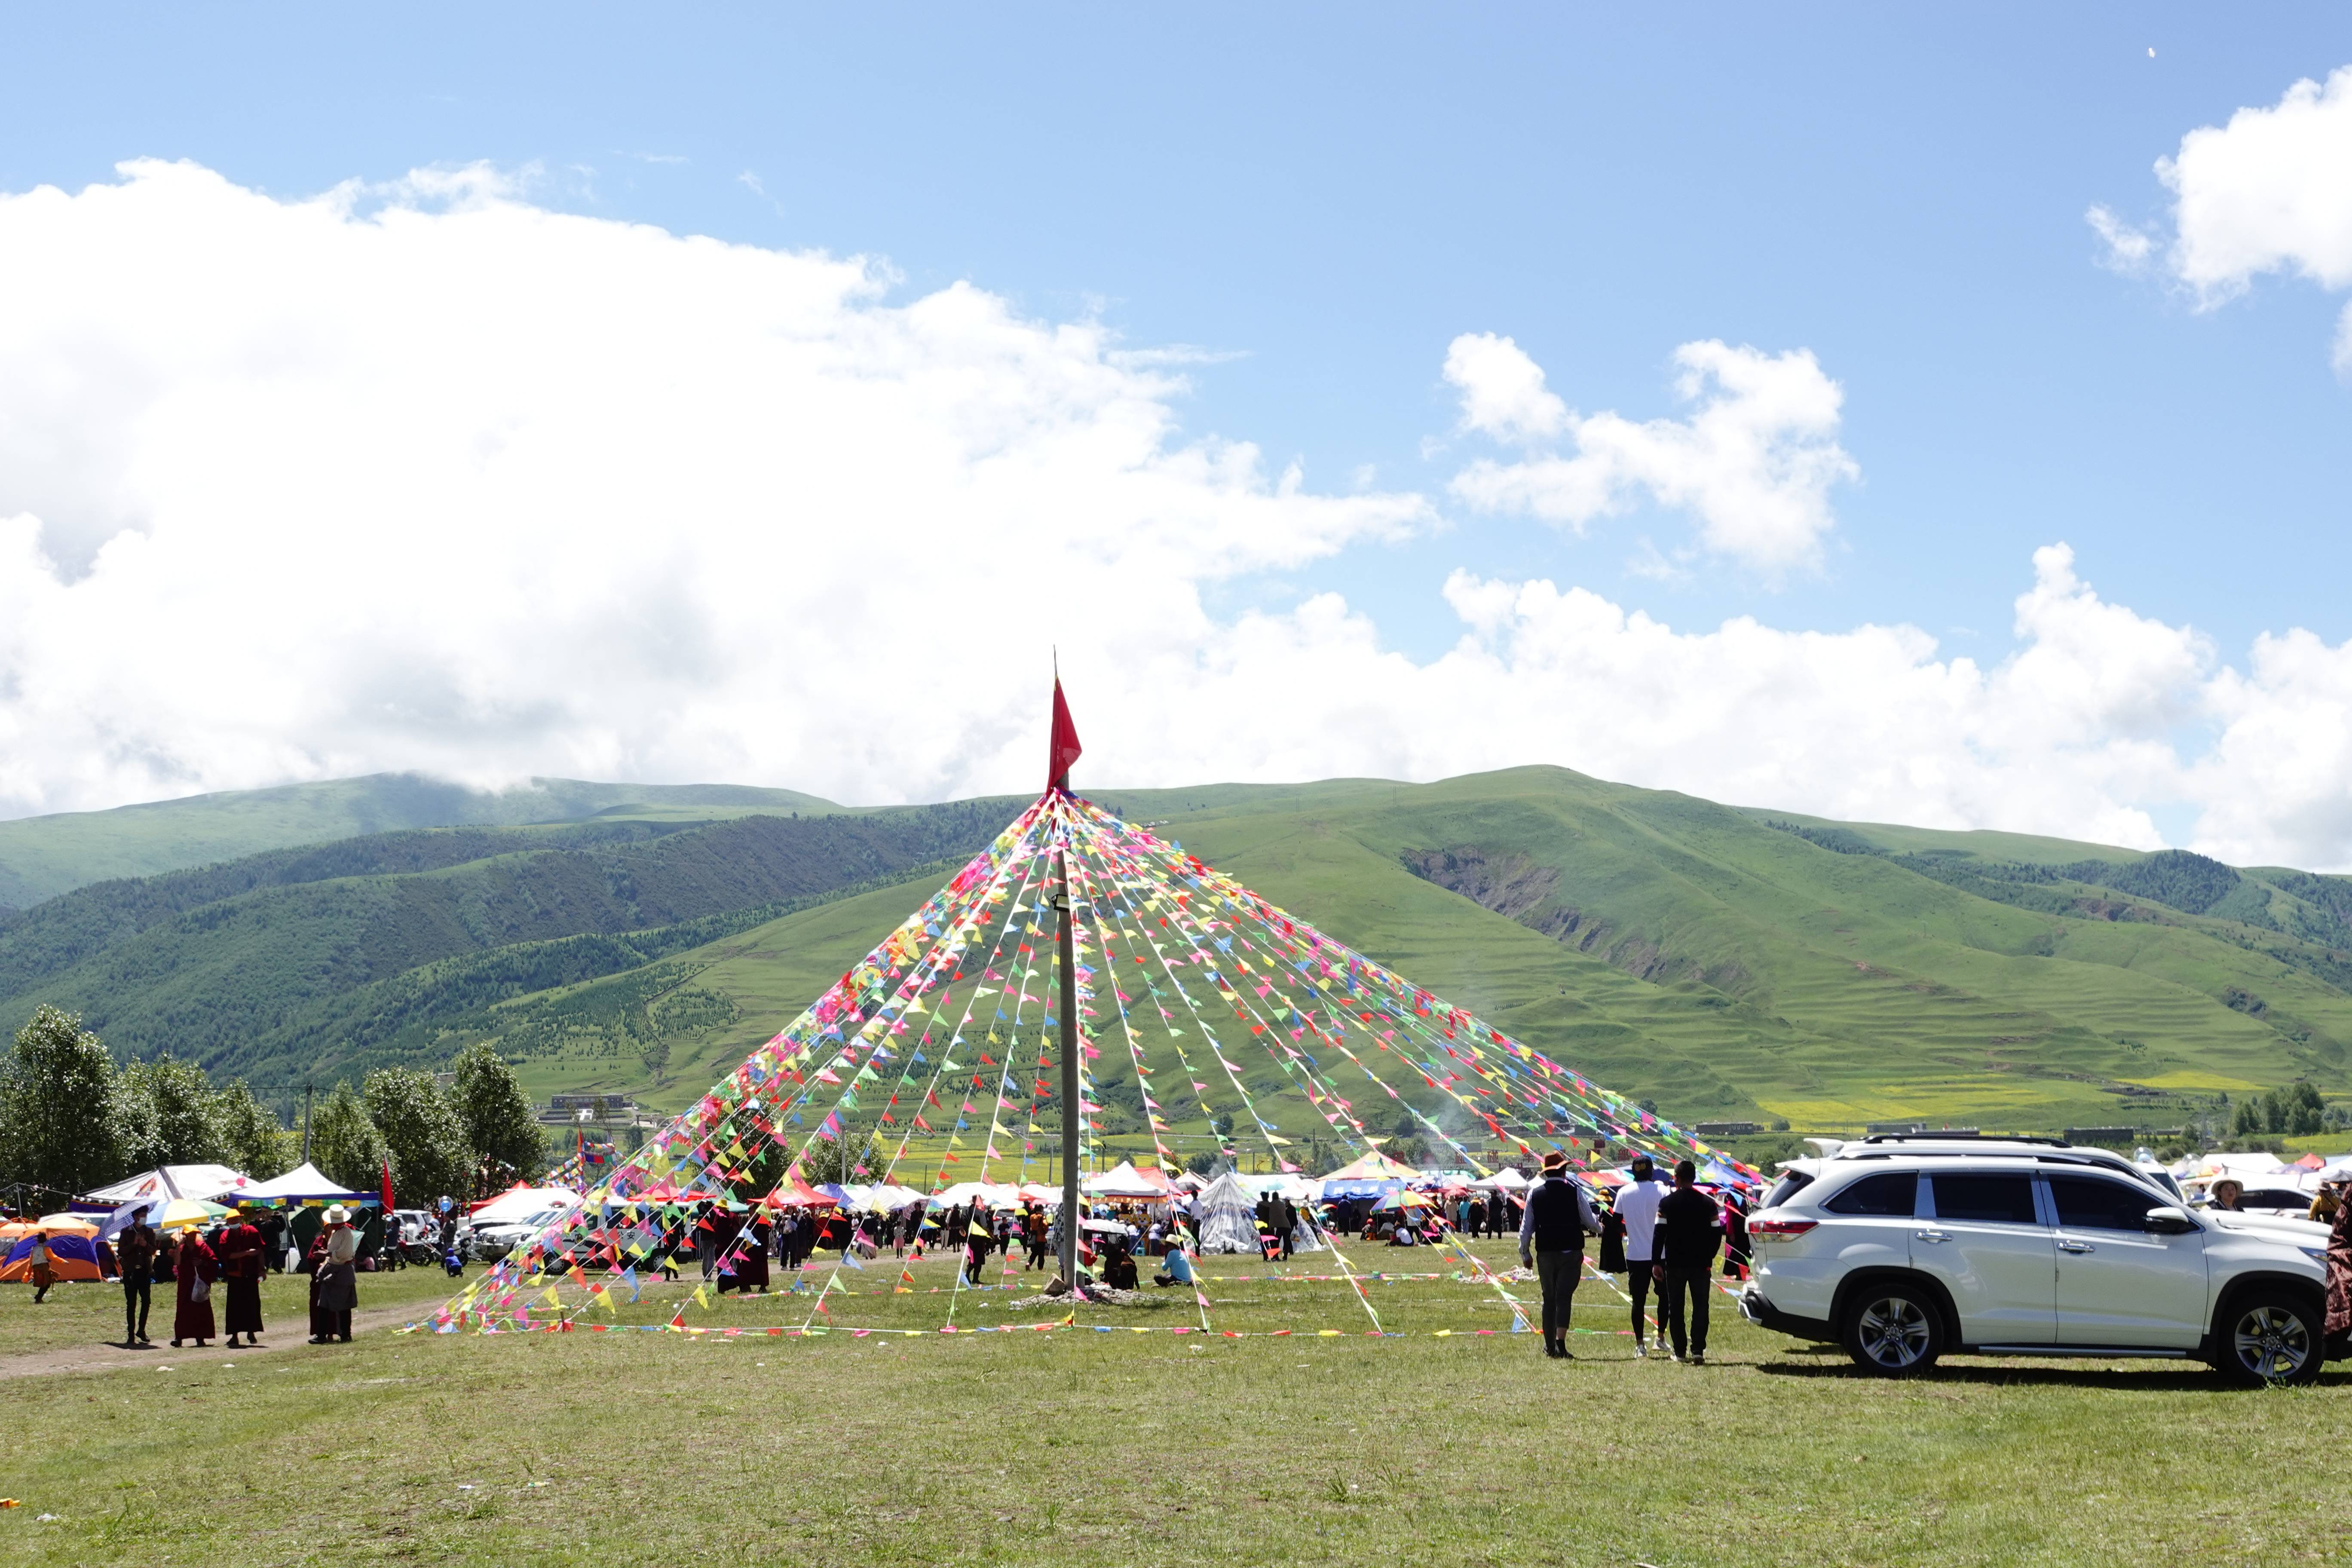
(1321, 199)
(1332, 194)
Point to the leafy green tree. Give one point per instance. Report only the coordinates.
(426, 1136)
(655, 1055)
(345, 1144)
(57, 1122)
(499, 1119)
(250, 1138)
(165, 1111)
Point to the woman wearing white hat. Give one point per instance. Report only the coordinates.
(334, 1286)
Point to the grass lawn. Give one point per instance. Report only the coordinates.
(1083, 1447)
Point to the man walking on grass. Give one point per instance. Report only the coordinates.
(1637, 1204)
(1559, 1217)
(134, 1254)
(1690, 1228)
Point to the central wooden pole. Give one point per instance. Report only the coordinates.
(1070, 1110)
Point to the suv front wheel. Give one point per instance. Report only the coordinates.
(1892, 1330)
(2269, 1336)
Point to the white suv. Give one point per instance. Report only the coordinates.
(1903, 1253)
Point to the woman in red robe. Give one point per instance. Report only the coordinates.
(193, 1274)
(243, 1264)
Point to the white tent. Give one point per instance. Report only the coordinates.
(1505, 1179)
(305, 1181)
(1228, 1216)
(1124, 1180)
(887, 1196)
(995, 1194)
(167, 1182)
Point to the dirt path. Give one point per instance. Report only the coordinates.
(105, 1357)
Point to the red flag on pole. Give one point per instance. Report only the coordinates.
(388, 1186)
(1065, 749)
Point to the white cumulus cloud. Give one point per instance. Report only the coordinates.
(1754, 462)
(2268, 192)
(431, 477)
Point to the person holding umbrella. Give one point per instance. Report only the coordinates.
(134, 1254)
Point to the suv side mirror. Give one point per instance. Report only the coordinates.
(2170, 1221)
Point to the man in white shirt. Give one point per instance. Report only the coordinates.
(1637, 1205)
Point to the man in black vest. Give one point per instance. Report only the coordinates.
(1557, 1218)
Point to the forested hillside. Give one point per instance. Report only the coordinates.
(1725, 963)
(249, 967)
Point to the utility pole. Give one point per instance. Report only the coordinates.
(306, 1124)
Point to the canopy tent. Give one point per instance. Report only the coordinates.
(1374, 1175)
(305, 1184)
(994, 1195)
(165, 1182)
(793, 1193)
(1124, 1182)
(1505, 1179)
(1227, 1212)
(886, 1196)
(1038, 1192)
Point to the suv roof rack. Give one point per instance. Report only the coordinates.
(1957, 1137)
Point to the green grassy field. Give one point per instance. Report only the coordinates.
(1083, 1447)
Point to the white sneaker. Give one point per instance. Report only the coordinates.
(1640, 1350)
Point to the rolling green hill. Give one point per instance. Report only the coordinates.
(1729, 963)
(1672, 949)
(249, 967)
(42, 857)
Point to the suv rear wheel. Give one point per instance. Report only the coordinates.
(2269, 1336)
(1892, 1330)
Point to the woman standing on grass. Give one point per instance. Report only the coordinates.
(334, 1288)
(193, 1271)
(244, 1260)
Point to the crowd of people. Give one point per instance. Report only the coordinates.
(214, 1273)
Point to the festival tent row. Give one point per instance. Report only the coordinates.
(1182, 977)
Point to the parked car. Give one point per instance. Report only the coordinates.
(491, 1242)
(1904, 1254)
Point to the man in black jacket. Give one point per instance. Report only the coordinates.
(1689, 1230)
(1558, 1216)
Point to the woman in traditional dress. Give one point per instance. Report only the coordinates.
(334, 1286)
(2337, 1327)
(193, 1272)
(244, 1259)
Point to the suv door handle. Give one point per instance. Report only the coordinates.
(2072, 1245)
(1931, 1236)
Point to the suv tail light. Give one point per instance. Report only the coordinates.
(1764, 1227)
